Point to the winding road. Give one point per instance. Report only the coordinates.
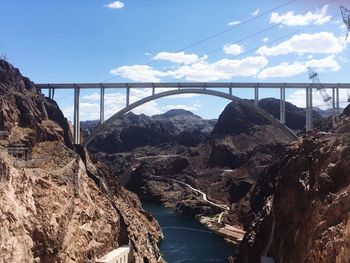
(225, 207)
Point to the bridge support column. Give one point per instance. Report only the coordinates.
(76, 115)
(334, 111)
(256, 96)
(102, 105)
(153, 89)
(283, 106)
(308, 109)
(230, 90)
(51, 93)
(337, 102)
(127, 96)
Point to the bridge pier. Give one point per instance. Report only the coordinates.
(337, 102)
(256, 96)
(308, 108)
(102, 105)
(283, 106)
(51, 93)
(127, 95)
(76, 115)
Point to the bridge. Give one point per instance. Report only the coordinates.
(226, 90)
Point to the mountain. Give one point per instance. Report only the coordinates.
(327, 113)
(133, 131)
(54, 204)
(301, 203)
(295, 116)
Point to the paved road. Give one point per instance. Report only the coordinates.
(198, 191)
(157, 156)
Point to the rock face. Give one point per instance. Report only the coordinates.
(295, 116)
(22, 106)
(133, 131)
(301, 203)
(59, 206)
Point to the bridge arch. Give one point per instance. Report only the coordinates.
(215, 93)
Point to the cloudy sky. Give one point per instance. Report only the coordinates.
(178, 40)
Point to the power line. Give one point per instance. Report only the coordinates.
(267, 29)
(223, 32)
(245, 38)
(236, 26)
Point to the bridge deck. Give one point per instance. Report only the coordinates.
(175, 88)
(188, 85)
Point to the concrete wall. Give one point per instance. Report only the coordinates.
(119, 255)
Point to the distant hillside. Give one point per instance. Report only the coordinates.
(132, 131)
(295, 116)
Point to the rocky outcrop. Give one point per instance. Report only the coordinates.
(300, 204)
(58, 206)
(295, 116)
(23, 107)
(133, 131)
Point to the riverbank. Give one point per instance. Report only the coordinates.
(232, 234)
(186, 239)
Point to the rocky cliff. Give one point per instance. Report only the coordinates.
(295, 116)
(301, 203)
(133, 131)
(57, 206)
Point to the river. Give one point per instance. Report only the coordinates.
(187, 240)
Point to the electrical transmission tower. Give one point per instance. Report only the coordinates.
(313, 75)
(316, 83)
(346, 18)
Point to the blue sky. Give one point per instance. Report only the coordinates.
(92, 41)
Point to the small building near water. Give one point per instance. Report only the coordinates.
(119, 255)
(232, 233)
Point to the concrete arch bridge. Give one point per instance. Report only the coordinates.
(187, 88)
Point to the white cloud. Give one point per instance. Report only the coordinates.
(148, 54)
(233, 49)
(194, 107)
(142, 73)
(298, 98)
(310, 18)
(223, 69)
(179, 57)
(256, 12)
(282, 70)
(326, 64)
(265, 39)
(285, 70)
(234, 23)
(115, 5)
(321, 43)
(202, 70)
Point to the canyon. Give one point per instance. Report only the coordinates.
(284, 198)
